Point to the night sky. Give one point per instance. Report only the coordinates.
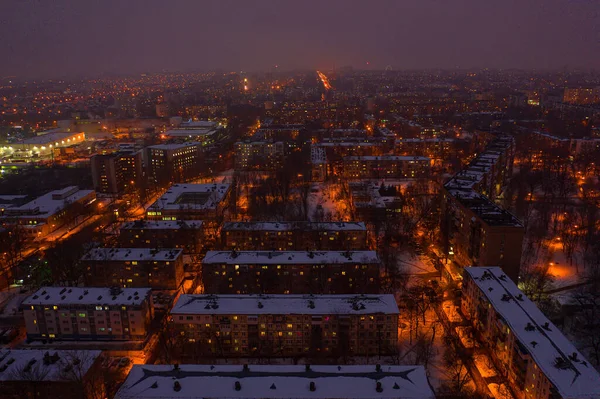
(65, 38)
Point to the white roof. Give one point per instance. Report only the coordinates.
(197, 124)
(47, 205)
(286, 304)
(138, 254)
(169, 200)
(285, 226)
(386, 158)
(290, 257)
(49, 138)
(87, 296)
(174, 146)
(542, 339)
(62, 365)
(330, 382)
(190, 132)
(162, 224)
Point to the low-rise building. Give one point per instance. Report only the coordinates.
(50, 211)
(96, 314)
(386, 167)
(49, 374)
(276, 382)
(42, 145)
(286, 325)
(190, 202)
(538, 360)
(474, 230)
(290, 272)
(134, 267)
(184, 234)
(294, 236)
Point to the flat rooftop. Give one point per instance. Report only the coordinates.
(285, 304)
(264, 382)
(60, 365)
(132, 254)
(191, 196)
(290, 257)
(387, 158)
(174, 146)
(49, 203)
(57, 296)
(162, 225)
(484, 208)
(190, 132)
(537, 336)
(49, 138)
(301, 226)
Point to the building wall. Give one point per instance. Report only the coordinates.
(383, 168)
(293, 240)
(287, 335)
(344, 278)
(190, 240)
(167, 166)
(166, 275)
(92, 322)
(511, 358)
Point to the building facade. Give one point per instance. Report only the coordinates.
(294, 236)
(183, 234)
(290, 272)
(386, 167)
(116, 173)
(531, 352)
(286, 325)
(259, 155)
(174, 163)
(95, 314)
(134, 267)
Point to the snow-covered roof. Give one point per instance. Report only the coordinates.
(162, 225)
(387, 158)
(174, 146)
(49, 203)
(87, 296)
(197, 124)
(190, 132)
(575, 377)
(29, 365)
(286, 304)
(174, 197)
(132, 254)
(301, 226)
(265, 381)
(50, 138)
(484, 208)
(290, 257)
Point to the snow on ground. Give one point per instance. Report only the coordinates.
(323, 202)
(484, 365)
(10, 301)
(500, 391)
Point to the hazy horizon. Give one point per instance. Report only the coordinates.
(66, 38)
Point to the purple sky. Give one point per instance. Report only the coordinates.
(63, 37)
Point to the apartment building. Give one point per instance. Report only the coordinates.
(117, 172)
(46, 213)
(184, 234)
(48, 374)
(134, 267)
(173, 163)
(294, 236)
(286, 325)
(386, 167)
(531, 352)
(474, 230)
(259, 155)
(276, 382)
(190, 202)
(96, 314)
(290, 272)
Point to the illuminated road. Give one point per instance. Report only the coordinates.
(325, 80)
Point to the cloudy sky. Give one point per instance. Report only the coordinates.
(73, 37)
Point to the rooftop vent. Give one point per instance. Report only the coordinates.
(378, 387)
(238, 386)
(396, 386)
(273, 386)
(176, 386)
(312, 386)
(154, 385)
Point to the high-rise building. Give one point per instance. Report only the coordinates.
(174, 163)
(117, 172)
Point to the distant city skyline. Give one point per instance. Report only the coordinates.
(66, 38)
